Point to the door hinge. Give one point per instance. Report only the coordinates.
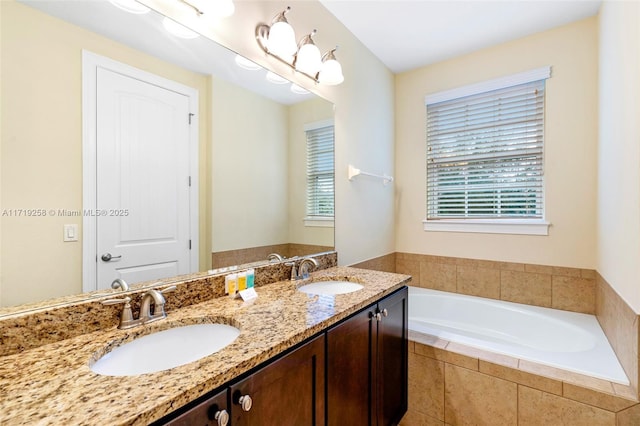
(189, 244)
(189, 180)
(190, 115)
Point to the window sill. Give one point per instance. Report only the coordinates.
(320, 222)
(489, 226)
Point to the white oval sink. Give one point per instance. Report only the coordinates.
(330, 287)
(165, 349)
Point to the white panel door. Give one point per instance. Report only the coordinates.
(142, 211)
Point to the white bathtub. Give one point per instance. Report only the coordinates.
(567, 340)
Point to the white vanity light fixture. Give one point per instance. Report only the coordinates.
(278, 40)
(331, 70)
(308, 59)
(131, 6)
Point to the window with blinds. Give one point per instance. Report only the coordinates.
(320, 170)
(485, 153)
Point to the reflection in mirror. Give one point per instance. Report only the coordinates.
(252, 145)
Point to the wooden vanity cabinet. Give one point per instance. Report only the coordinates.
(288, 391)
(353, 374)
(210, 412)
(367, 358)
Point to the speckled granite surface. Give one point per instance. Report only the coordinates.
(28, 326)
(53, 383)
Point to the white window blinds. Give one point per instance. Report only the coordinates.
(320, 170)
(485, 154)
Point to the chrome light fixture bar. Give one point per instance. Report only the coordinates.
(278, 40)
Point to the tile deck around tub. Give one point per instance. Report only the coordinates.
(577, 387)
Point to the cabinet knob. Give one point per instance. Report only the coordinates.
(385, 313)
(378, 316)
(222, 417)
(245, 402)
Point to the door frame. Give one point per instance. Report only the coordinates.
(90, 63)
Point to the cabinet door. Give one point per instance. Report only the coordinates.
(289, 391)
(392, 348)
(211, 412)
(350, 374)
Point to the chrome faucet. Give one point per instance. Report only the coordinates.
(274, 256)
(156, 297)
(158, 300)
(302, 272)
(303, 269)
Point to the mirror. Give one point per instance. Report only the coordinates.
(252, 143)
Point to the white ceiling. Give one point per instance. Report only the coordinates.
(407, 34)
(404, 34)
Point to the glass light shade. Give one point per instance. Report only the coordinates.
(309, 59)
(131, 6)
(331, 73)
(178, 30)
(282, 40)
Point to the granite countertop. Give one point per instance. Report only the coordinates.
(53, 384)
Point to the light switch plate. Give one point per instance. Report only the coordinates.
(70, 233)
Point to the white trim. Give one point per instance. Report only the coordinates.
(318, 125)
(489, 226)
(319, 221)
(486, 86)
(90, 63)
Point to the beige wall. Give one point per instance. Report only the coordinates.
(300, 114)
(364, 113)
(251, 190)
(619, 149)
(570, 148)
(263, 195)
(41, 146)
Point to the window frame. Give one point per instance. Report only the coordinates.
(512, 225)
(310, 220)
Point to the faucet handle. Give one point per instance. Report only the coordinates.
(119, 283)
(168, 289)
(294, 271)
(126, 317)
(125, 300)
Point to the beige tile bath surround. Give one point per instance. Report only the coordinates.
(573, 289)
(483, 388)
(247, 255)
(570, 289)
